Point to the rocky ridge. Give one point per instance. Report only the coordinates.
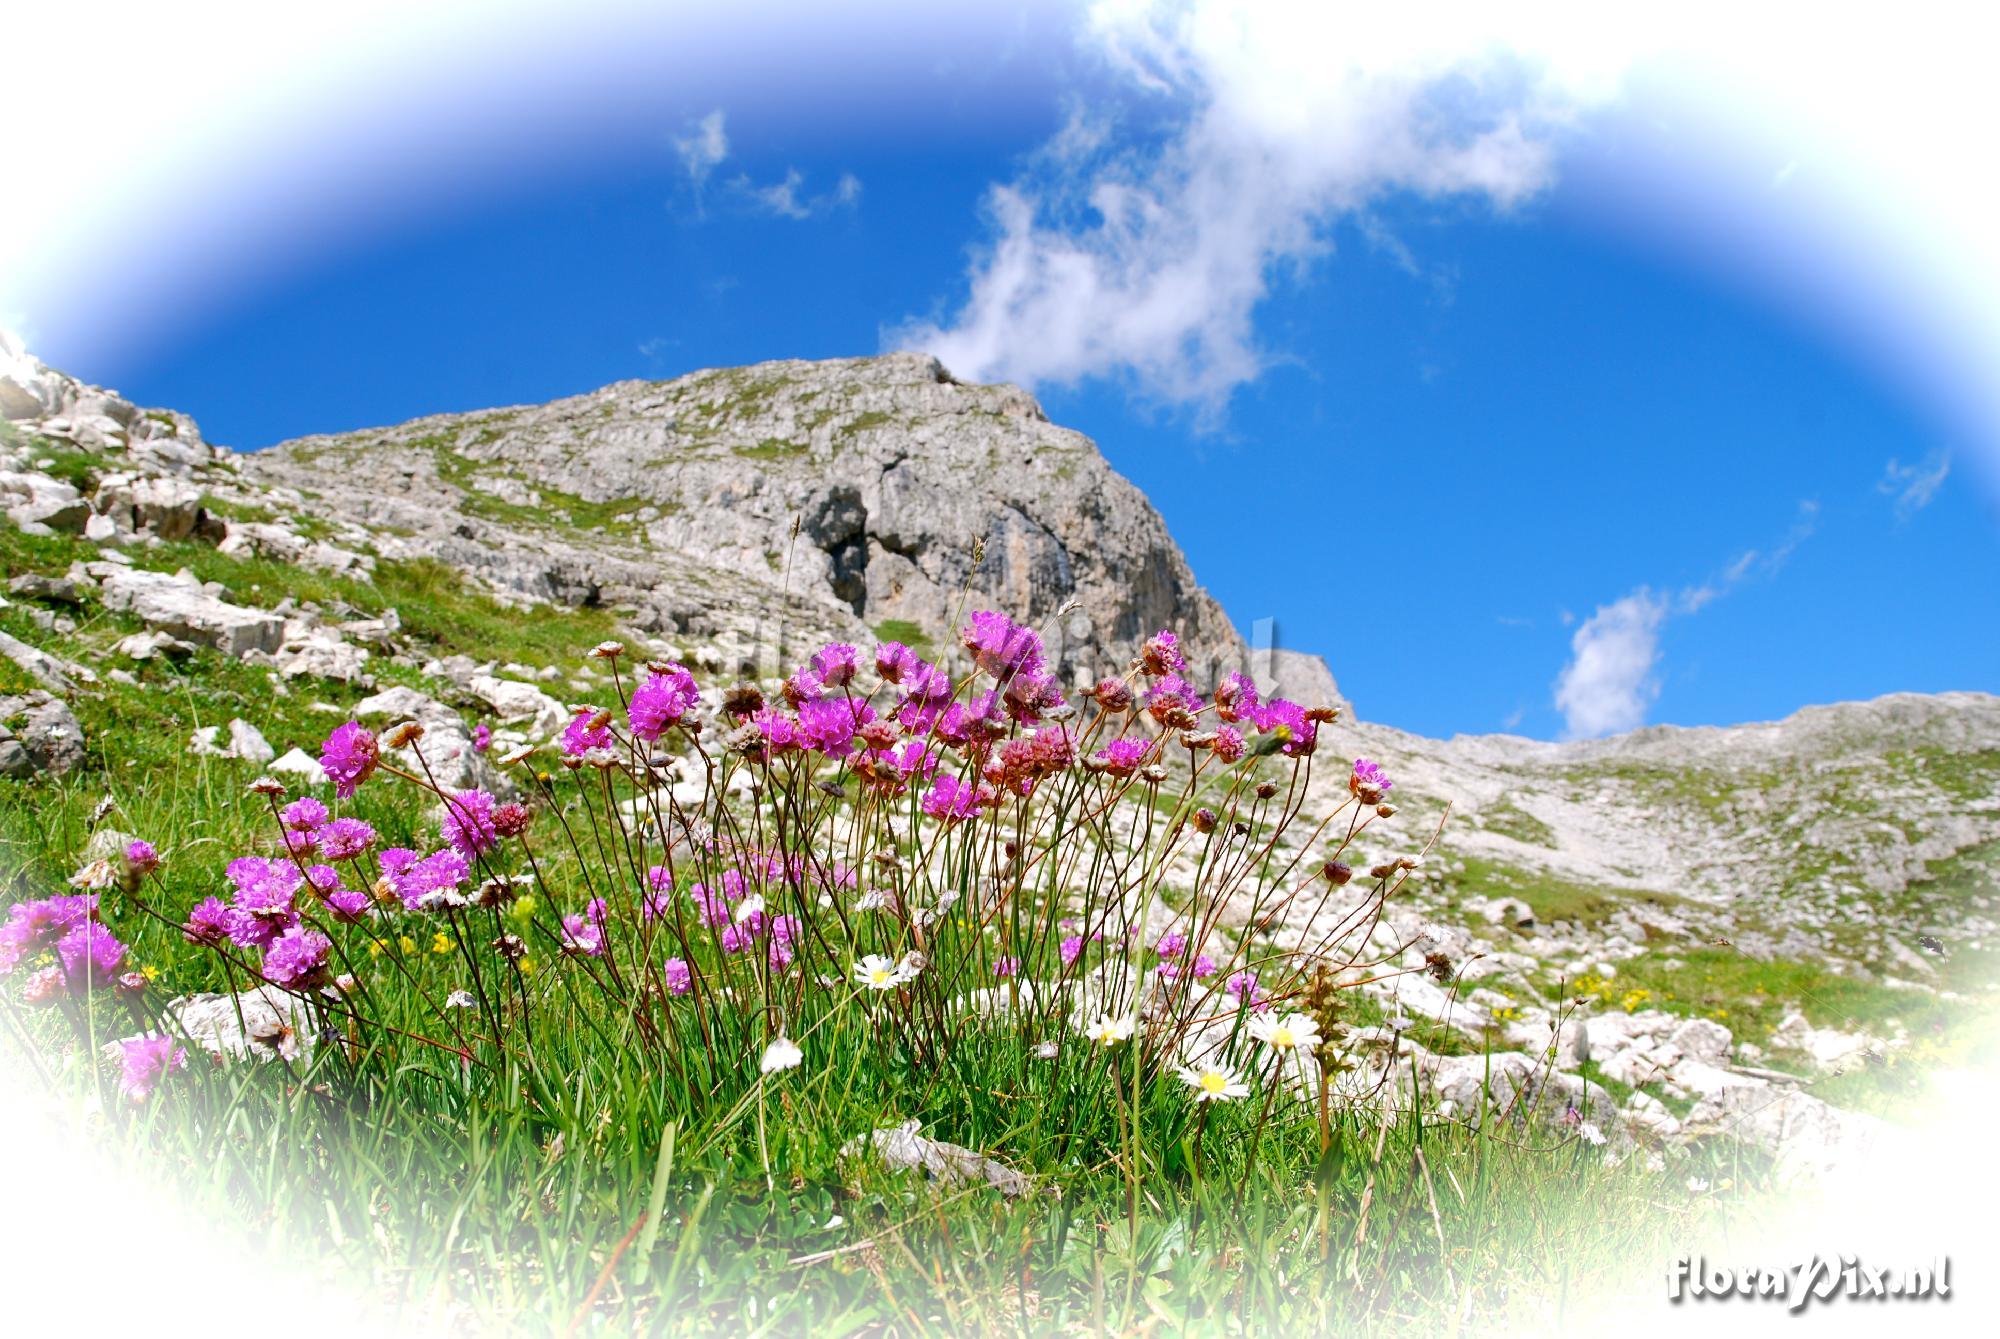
(1573, 886)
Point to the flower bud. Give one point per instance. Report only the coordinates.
(1265, 790)
(1204, 821)
(1385, 811)
(1113, 695)
(1336, 873)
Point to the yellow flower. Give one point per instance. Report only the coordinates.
(441, 942)
(527, 967)
(150, 972)
(407, 944)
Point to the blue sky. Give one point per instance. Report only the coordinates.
(1429, 398)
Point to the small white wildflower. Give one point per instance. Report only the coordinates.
(878, 973)
(460, 999)
(1046, 1051)
(1591, 1134)
(1698, 1185)
(1214, 1085)
(1108, 1031)
(752, 905)
(1290, 1032)
(875, 899)
(782, 1053)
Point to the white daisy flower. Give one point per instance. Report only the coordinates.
(1287, 1033)
(1214, 1085)
(783, 1053)
(1108, 1031)
(878, 973)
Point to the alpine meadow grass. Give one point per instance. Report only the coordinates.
(914, 997)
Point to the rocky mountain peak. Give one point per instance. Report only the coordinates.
(914, 496)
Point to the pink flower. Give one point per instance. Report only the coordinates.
(1071, 949)
(1162, 654)
(468, 823)
(345, 838)
(836, 664)
(208, 923)
(582, 936)
(349, 757)
(141, 858)
(894, 661)
(1000, 646)
(1369, 779)
(1008, 965)
(1235, 696)
(303, 815)
(91, 956)
(1228, 746)
(580, 736)
(297, 959)
(482, 738)
(147, 1060)
(679, 980)
(661, 702)
(1122, 757)
(950, 800)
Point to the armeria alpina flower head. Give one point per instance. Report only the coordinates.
(297, 959)
(402, 735)
(1235, 697)
(836, 664)
(468, 823)
(662, 701)
(1162, 654)
(96, 874)
(344, 839)
(304, 814)
(1122, 757)
(1113, 695)
(1212, 1083)
(1286, 1032)
(482, 737)
(588, 729)
(141, 858)
(1000, 646)
(91, 956)
(893, 661)
(208, 923)
(349, 757)
(144, 1061)
(1108, 1031)
(949, 800)
(1369, 782)
(607, 651)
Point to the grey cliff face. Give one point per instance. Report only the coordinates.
(916, 498)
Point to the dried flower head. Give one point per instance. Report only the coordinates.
(403, 735)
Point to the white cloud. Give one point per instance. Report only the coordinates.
(1611, 680)
(1609, 683)
(703, 148)
(787, 198)
(1913, 486)
(1149, 263)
